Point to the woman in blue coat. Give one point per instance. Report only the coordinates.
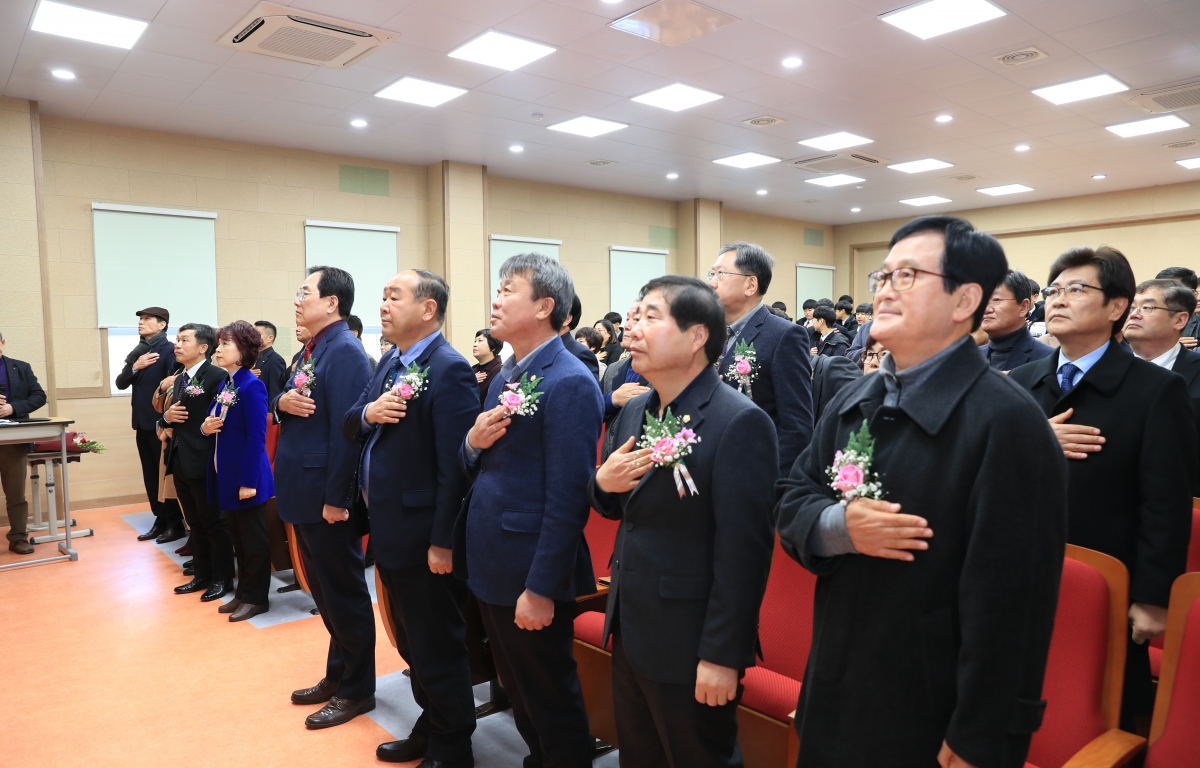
(240, 477)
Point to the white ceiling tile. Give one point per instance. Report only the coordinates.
(953, 72)
(522, 85)
(627, 81)
(53, 47)
(321, 95)
(1114, 31)
(1050, 71)
(1180, 13)
(997, 36)
(1057, 15)
(1163, 46)
(369, 12)
(612, 45)
(128, 109)
(1160, 72)
(747, 39)
(552, 24)
(678, 63)
(487, 13)
(289, 111)
(360, 77)
(211, 16)
(134, 9)
(43, 90)
(569, 65)
(160, 65)
(575, 98)
(188, 43)
(988, 88)
(206, 98)
(191, 118)
(149, 88)
(269, 65)
(429, 65)
(428, 29)
(243, 81)
(39, 69)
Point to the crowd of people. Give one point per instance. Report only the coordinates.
(927, 455)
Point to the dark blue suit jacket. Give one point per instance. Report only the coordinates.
(144, 382)
(585, 355)
(416, 484)
(522, 525)
(241, 446)
(784, 385)
(1026, 350)
(314, 464)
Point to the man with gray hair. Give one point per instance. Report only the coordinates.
(779, 375)
(20, 395)
(519, 539)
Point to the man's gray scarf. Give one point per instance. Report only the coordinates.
(144, 346)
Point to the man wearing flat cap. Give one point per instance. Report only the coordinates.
(146, 366)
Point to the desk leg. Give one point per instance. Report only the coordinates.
(65, 546)
(35, 483)
(68, 522)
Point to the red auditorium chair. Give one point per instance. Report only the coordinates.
(1175, 730)
(1086, 668)
(1193, 566)
(595, 663)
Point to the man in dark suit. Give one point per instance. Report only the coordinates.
(934, 608)
(830, 374)
(1188, 279)
(20, 395)
(620, 385)
(271, 367)
(782, 383)
(189, 454)
(413, 487)
(145, 367)
(519, 539)
(1009, 343)
(690, 563)
(847, 321)
(831, 342)
(1127, 427)
(585, 355)
(315, 481)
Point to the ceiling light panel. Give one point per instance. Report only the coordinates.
(1190, 163)
(747, 160)
(1078, 90)
(937, 17)
(677, 97)
(588, 126)
(423, 92)
(929, 200)
(87, 25)
(835, 141)
(920, 166)
(1005, 189)
(501, 51)
(1143, 127)
(836, 180)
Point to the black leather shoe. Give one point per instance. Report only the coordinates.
(195, 585)
(339, 711)
(403, 751)
(215, 591)
(20, 547)
(155, 531)
(248, 611)
(185, 551)
(189, 571)
(468, 762)
(232, 606)
(174, 533)
(318, 694)
(188, 564)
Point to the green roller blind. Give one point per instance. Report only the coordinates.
(812, 282)
(500, 249)
(628, 271)
(369, 254)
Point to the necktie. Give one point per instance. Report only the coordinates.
(308, 349)
(1066, 377)
(390, 379)
(186, 379)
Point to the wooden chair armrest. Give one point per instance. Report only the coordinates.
(595, 602)
(1111, 749)
(793, 742)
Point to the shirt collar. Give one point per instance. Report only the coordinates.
(911, 378)
(1085, 363)
(416, 350)
(1167, 359)
(654, 402)
(191, 372)
(740, 323)
(325, 331)
(513, 370)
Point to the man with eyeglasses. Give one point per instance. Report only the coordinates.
(946, 587)
(782, 377)
(1127, 427)
(1009, 342)
(1189, 280)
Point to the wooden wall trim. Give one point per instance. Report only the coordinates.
(35, 125)
(81, 393)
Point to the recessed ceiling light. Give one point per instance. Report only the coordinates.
(88, 25)
(1190, 163)
(747, 160)
(588, 126)
(855, 210)
(762, 191)
(672, 175)
(836, 180)
(1142, 127)
(1021, 148)
(63, 74)
(791, 62)
(928, 200)
(422, 92)
(920, 166)
(516, 148)
(359, 123)
(501, 51)
(937, 17)
(833, 141)
(1099, 176)
(1005, 189)
(944, 118)
(1078, 90)
(677, 97)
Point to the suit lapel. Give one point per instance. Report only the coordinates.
(748, 333)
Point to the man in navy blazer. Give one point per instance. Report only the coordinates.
(585, 355)
(519, 540)
(782, 384)
(316, 484)
(411, 421)
(1004, 320)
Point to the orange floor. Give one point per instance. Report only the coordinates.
(103, 665)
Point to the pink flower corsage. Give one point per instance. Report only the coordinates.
(850, 474)
(669, 442)
(412, 383)
(744, 368)
(520, 397)
(226, 399)
(305, 378)
(193, 390)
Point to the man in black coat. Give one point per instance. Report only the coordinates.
(830, 374)
(413, 487)
(20, 395)
(620, 385)
(830, 341)
(271, 368)
(1127, 427)
(189, 455)
(781, 376)
(585, 355)
(151, 361)
(934, 606)
(1188, 279)
(1009, 343)
(690, 563)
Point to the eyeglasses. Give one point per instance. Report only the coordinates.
(1074, 291)
(720, 274)
(902, 279)
(872, 357)
(998, 300)
(1150, 309)
(303, 294)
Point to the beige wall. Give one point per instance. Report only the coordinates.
(783, 239)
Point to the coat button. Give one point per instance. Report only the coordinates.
(629, 526)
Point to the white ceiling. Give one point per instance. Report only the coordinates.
(859, 75)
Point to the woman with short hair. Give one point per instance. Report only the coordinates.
(486, 350)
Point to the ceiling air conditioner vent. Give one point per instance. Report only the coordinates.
(838, 162)
(1169, 98)
(1023, 56)
(764, 121)
(1182, 144)
(601, 163)
(285, 33)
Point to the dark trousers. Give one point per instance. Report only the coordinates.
(149, 449)
(537, 670)
(333, 563)
(14, 468)
(431, 638)
(662, 724)
(248, 532)
(1137, 696)
(212, 550)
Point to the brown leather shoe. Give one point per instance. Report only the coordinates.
(247, 610)
(21, 547)
(339, 711)
(318, 694)
(232, 606)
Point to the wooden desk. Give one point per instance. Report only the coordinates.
(31, 432)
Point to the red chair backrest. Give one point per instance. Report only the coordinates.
(601, 535)
(1179, 744)
(785, 620)
(1074, 683)
(272, 440)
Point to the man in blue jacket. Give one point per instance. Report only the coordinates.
(411, 420)
(519, 540)
(316, 486)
